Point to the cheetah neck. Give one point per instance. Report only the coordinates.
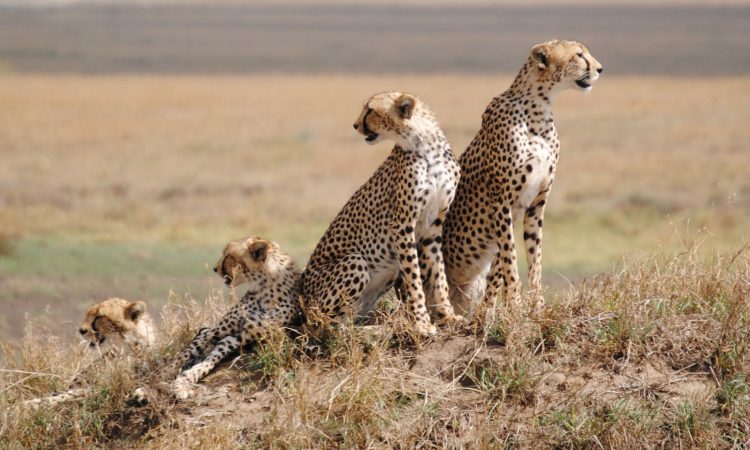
(145, 332)
(283, 278)
(534, 96)
(529, 85)
(424, 136)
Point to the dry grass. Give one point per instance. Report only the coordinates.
(163, 157)
(652, 355)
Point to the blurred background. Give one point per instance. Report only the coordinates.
(137, 138)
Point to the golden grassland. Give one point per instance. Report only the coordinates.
(130, 185)
(205, 157)
(655, 355)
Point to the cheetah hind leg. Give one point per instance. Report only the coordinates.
(52, 400)
(340, 285)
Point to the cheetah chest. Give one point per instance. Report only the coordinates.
(538, 170)
(435, 189)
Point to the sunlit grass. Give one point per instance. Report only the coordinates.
(652, 354)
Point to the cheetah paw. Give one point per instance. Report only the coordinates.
(182, 389)
(34, 404)
(138, 397)
(426, 329)
(537, 310)
(537, 305)
(453, 319)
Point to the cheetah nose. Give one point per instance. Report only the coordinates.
(82, 330)
(356, 126)
(600, 70)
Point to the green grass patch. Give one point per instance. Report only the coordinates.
(57, 256)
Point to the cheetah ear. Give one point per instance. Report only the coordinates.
(258, 251)
(135, 310)
(405, 105)
(539, 53)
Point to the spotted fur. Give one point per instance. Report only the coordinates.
(506, 174)
(392, 226)
(271, 301)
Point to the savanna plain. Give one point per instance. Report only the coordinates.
(137, 182)
(129, 185)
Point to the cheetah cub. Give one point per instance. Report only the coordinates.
(506, 175)
(392, 226)
(272, 300)
(112, 328)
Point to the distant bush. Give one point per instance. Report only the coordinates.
(7, 244)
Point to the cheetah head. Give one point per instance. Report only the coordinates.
(390, 115)
(117, 322)
(250, 260)
(567, 63)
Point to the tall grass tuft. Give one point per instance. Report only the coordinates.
(7, 244)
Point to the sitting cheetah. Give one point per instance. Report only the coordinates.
(392, 225)
(272, 300)
(507, 170)
(113, 327)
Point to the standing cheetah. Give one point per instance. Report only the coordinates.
(507, 170)
(272, 300)
(392, 225)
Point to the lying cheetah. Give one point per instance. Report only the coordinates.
(272, 300)
(118, 324)
(508, 170)
(392, 225)
(113, 328)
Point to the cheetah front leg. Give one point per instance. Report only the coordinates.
(246, 322)
(503, 275)
(432, 268)
(224, 335)
(183, 384)
(532, 236)
(195, 351)
(406, 248)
